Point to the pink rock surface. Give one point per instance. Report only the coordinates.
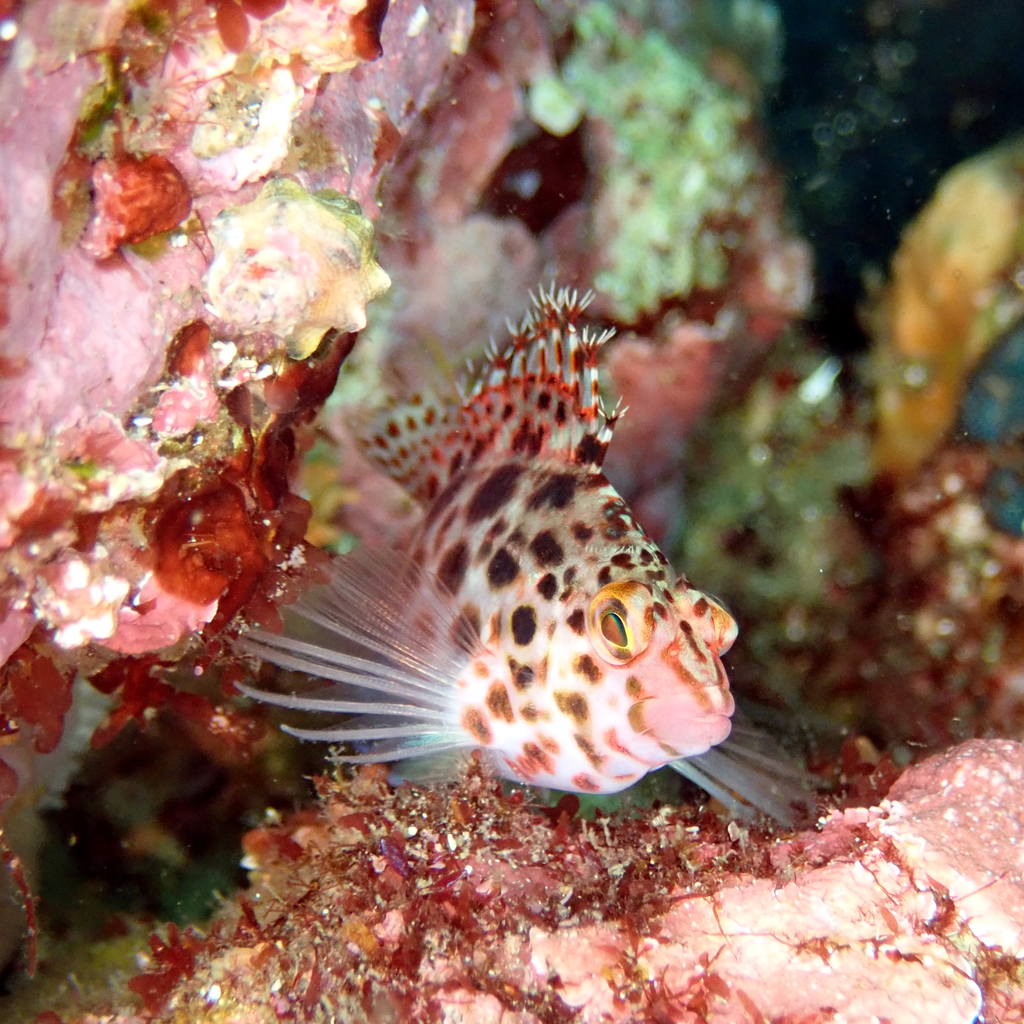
(956, 821)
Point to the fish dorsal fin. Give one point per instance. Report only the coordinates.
(538, 396)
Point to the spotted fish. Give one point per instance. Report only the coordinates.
(529, 614)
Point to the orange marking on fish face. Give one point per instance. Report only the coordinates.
(672, 656)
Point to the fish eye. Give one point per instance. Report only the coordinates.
(613, 629)
(621, 621)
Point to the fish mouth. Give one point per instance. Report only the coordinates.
(679, 734)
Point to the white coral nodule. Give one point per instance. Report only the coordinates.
(295, 264)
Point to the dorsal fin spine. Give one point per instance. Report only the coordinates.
(540, 393)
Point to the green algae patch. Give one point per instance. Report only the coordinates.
(676, 151)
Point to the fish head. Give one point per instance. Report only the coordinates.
(665, 643)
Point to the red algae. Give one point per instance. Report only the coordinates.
(38, 695)
(174, 960)
(464, 903)
(206, 546)
(262, 8)
(232, 25)
(366, 27)
(188, 348)
(135, 198)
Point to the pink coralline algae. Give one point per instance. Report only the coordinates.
(464, 905)
(147, 436)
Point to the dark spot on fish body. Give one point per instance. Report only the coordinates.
(469, 619)
(590, 450)
(604, 575)
(585, 666)
(569, 575)
(646, 557)
(496, 626)
(633, 688)
(616, 529)
(537, 759)
(576, 621)
(635, 717)
(549, 744)
(456, 463)
(560, 413)
(529, 713)
(589, 751)
(502, 568)
(480, 445)
(444, 499)
(452, 569)
(582, 532)
(446, 526)
(498, 702)
(659, 610)
(700, 606)
(393, 429)
(573, 704)
(524, 625)
(475, 724)
(544, 401)
(527, 440)
(556, 492)
(515, 538)
(624, 560)
(547, 586)
(546, 549)
(523, 677)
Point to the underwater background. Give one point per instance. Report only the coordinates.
(233, 230)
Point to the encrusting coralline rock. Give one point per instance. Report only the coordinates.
(464, 905)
